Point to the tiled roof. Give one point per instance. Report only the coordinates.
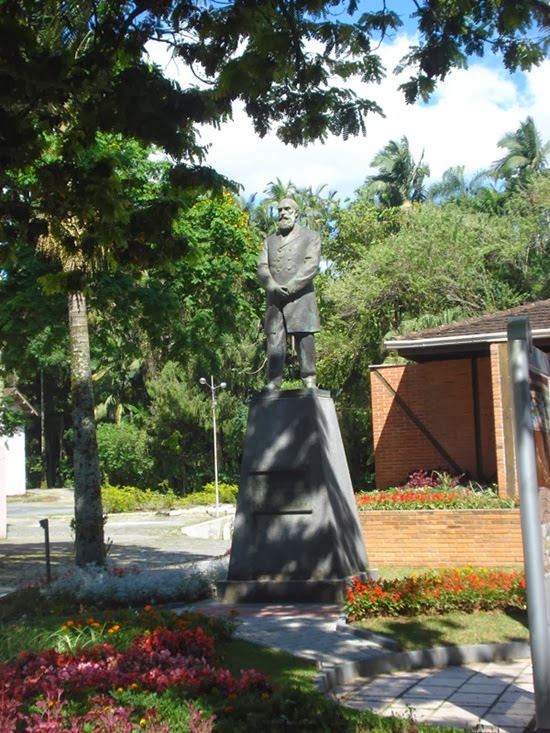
(538, 314)
(472, 336)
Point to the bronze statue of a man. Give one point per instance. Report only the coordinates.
(288, 262)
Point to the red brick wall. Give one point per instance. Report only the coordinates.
(487, 458)
(440, 394)
(443, 538)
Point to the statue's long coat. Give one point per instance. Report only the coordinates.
(293, 261)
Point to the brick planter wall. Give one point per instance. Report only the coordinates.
(443, 538)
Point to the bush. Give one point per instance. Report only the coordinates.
(118, 499)
(123, 455)
(227, 495)
(437, 592)
(421, 479)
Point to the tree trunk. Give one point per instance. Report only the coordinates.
(89, 538)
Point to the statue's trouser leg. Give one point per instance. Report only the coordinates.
(305, 348)
(276, 354)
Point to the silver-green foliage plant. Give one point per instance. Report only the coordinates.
(111, 586)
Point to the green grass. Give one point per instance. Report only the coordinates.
(451, 629)
(284, 668)
(296, 698)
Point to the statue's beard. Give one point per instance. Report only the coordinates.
(285, 226)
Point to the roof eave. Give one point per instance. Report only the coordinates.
(438, 342)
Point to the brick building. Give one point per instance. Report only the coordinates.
(450, 407)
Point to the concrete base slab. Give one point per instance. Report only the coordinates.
(283, 591)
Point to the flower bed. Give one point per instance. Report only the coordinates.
(113, 684)
(433, 490)
(437, 592)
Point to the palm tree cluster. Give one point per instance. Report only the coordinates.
(315, 210)
(401, 180)
(526, 154)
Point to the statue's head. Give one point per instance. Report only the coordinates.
(288, 211)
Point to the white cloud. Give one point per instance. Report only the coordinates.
(461, 125)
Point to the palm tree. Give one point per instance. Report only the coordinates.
(401, 178)
(454, 185)
(314, 209)
(526, 154)
(277, 190)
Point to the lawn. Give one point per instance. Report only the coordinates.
(222, 700)
(451, 629)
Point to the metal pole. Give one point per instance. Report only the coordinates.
(44, 523)
(519, 339)
(213, 388)
(215, 444)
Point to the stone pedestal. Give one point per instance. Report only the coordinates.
(297, 535)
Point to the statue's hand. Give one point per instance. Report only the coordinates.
(275, 289)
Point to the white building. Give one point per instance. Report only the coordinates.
(13, 476)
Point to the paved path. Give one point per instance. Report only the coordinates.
(482, 694)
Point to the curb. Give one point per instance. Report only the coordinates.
(383, 641)
(451, 656)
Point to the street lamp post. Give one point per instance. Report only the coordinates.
(213, 388)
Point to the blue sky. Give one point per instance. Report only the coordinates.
(461, 125)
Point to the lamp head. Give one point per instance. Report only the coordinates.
(223, 385)
(202, 380)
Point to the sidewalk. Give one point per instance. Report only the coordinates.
(494, 693)
(492, 689)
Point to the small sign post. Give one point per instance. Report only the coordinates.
(530, 374)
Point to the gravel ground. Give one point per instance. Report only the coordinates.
(144, 538)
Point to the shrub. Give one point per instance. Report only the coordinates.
(227, 495)
(123, 455)
(421, 479)
(118, 499)
(227, 492)
(437, 592)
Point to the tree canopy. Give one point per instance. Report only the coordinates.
(103, 182)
